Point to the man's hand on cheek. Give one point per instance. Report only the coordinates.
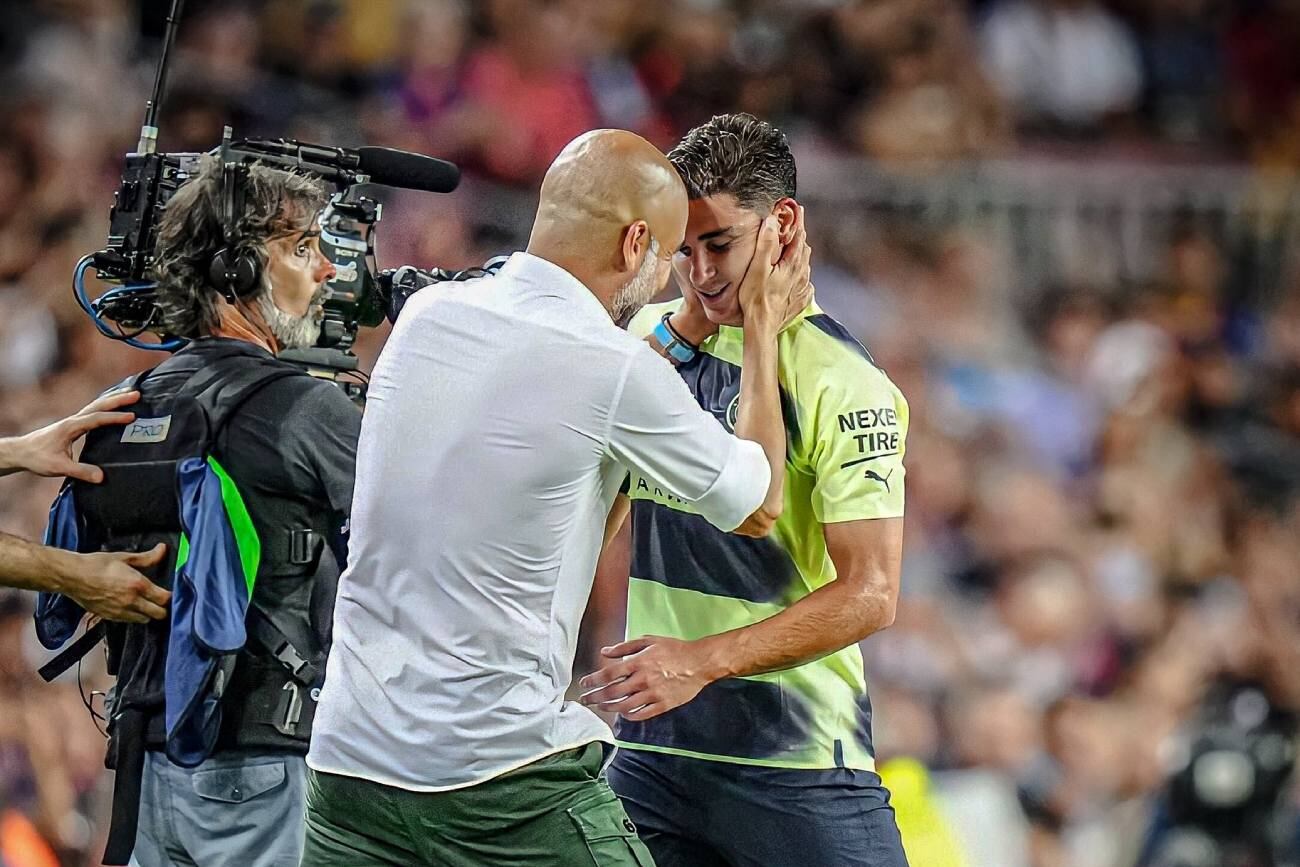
(776, 285)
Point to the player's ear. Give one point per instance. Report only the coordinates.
(786, 211)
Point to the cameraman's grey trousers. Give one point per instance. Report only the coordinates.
(234, 810)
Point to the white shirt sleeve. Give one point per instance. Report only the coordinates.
(660, 430)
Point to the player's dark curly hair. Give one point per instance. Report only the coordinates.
(190, 233)
(737, 154)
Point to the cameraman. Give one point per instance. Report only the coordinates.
(245, 463)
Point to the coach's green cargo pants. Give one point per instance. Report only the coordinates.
(556, 812)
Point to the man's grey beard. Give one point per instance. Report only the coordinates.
(638, 291)
(293, 332)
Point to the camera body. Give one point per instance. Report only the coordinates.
(1223, 802)
(148, 181)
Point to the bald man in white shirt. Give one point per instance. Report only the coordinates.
(503, 416)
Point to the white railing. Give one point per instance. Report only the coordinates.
(1070, 223)
(1056, 223)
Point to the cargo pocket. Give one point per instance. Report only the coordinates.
(239, 783)
(609, 834)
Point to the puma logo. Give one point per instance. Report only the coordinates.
(875, 476)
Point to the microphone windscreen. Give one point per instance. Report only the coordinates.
(411, 171)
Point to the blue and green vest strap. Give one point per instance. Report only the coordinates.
(217, 561)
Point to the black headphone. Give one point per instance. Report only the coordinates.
(234, 269)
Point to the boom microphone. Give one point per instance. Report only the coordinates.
(411, 171)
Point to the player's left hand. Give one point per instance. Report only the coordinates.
(647, 676)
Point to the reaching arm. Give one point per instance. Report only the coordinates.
(107, 585)
(766, 302)
(759, 417)
(48, 451)
(654, 674)
(860, 601)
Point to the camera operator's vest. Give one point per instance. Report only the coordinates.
(219, 672)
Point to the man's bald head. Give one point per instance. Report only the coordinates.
(604, 198)
(608, 179)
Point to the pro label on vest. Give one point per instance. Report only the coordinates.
(147, 430)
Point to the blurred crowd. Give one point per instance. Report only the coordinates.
(1102, 566)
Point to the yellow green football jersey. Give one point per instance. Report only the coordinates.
(846, 427)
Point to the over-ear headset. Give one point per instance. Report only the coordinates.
(235, 268)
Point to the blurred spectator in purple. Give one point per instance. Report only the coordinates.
(433, 40)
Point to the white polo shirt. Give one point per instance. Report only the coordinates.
(502, 418)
